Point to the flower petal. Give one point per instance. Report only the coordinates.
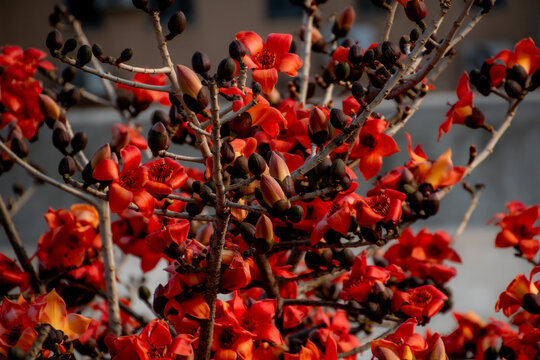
(251, 41)
(267, 78)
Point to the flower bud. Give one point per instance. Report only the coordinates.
(144, 293)
(60, 137)
(67, 167)
(278, 167)
(140, 4)
(158, 138)
(194, 208)
(483, 85)
(237, 50)
(247, 231)
(70, 97)
(204, 234)
(519, 74)
(160, 300)
(48, 107)
(345, 257)
(84, 55)
(369, 57)
(342, 71)
(68, 74)
(416, 10)
(163, 5)
(314, 260)
(475, 120)
(226, 69)
(19, 146)
(189, 81)
(414, 34)
(431, 204)
(343, 23)
(200, 62)
(390, 52)
(176, 24)
(271, 190)
(104, 152)
(338, 119)
(98, 52)
(240, 126)
(240, 167)
(227, 153)
(256, 164)
(356, 55)
(160, 116)
(69, 46)
(78, 142)
(404, 43)
(264, 234)
(295, 214)
(358, 91)
(513, 89)
(338, 169)
(531, 303)
(125, 55)
(318, 126)
(54, 41)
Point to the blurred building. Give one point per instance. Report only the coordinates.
(212, 24)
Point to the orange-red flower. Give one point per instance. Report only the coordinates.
(12, 275)
(384, 206)
(518, 230)
(268, 58)
(462, 112)
(371, 146)
(144, 98)
(512, 298)
(421, 302)
(525, 54)
(162, 176)
(359, 283)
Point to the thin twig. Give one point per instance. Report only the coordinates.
(270, 284)
(18, 247)
(39, 175)
(470, 210)
(164, 153)
(143, 70)
(255, 208)
(115, 324)
(367, 345)
(23, 199)
(389, 20)
(304, 80)
(242, 76)
(241, 183)
(240, 111)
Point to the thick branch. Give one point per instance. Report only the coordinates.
(42, 335)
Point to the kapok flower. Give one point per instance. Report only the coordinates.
(127, 186)
(268, 58)
(517, 229)
(384, 207)
(144, 98)
(359, 283)
(231, 340)
(12, 275)
(525, 54)
(512, 298)
(421, 302)
(372, 145)
(162, 176)
(463, 112)
(126, 135)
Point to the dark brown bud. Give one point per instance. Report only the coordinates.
(519, 74)
(48, 107)
(338, 119)
(531, 303)
(140, 4)
(247, 231)
(79, 142)
(84, 55)
(144, 293)
(69, 46)
(390, 52)
(257, 165)
(535, 80)
(279, 209)
(160, 116)
(414, 34)
(158, 138)
(19, 147)
(60, 137)
(513, 89)
(237, 50)
(345, 258)
(240, 126)
(70, 97)
(486, 5)
(67, 167)
(380, 3)
(343, 22)
(54, 41)
(98, 52)
(295, 214)
(200, 63)
(287, 184)
(358, 91)
(483, 85)
(318, 126)
(68, 74)
(474, 76)
(226, 69)
(431, 204)
(125, 55)
(313, 260)
(475, 120)
(404, 43)
(16, 353)
(426, 189)
(342, 71)
(160, 300)
(194, 208)
(416, 10)
(356, 55)
(377, 52)
(369, 57)
(227, 153)
(240, 167)
(163, 5)
(176, 24)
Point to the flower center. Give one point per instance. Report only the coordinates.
(265, 58)
(380, 204)
(161, 172)
(129, 180)
(368, 141)
(227, 338)
(420, 297)
(14, 335)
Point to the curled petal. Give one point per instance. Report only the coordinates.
(267, 78)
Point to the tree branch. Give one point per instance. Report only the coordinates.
(304, 79)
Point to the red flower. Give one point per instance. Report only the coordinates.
(362, 278)
(12, 275)
(525, 54)
(518, 230)
(463, 112)
(385, 207)
(268, 58)
(421, 302)
(127, 186)
(173, 232)
(162, 176)
(123, 135)
(512, 298)
(371, 146)
(231, 340)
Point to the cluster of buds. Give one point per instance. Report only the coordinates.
(327, 174)
(422, 201)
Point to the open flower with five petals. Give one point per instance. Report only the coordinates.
(268, 58)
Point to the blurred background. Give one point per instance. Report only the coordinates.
(511, 173)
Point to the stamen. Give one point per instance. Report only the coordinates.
(265, 58)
